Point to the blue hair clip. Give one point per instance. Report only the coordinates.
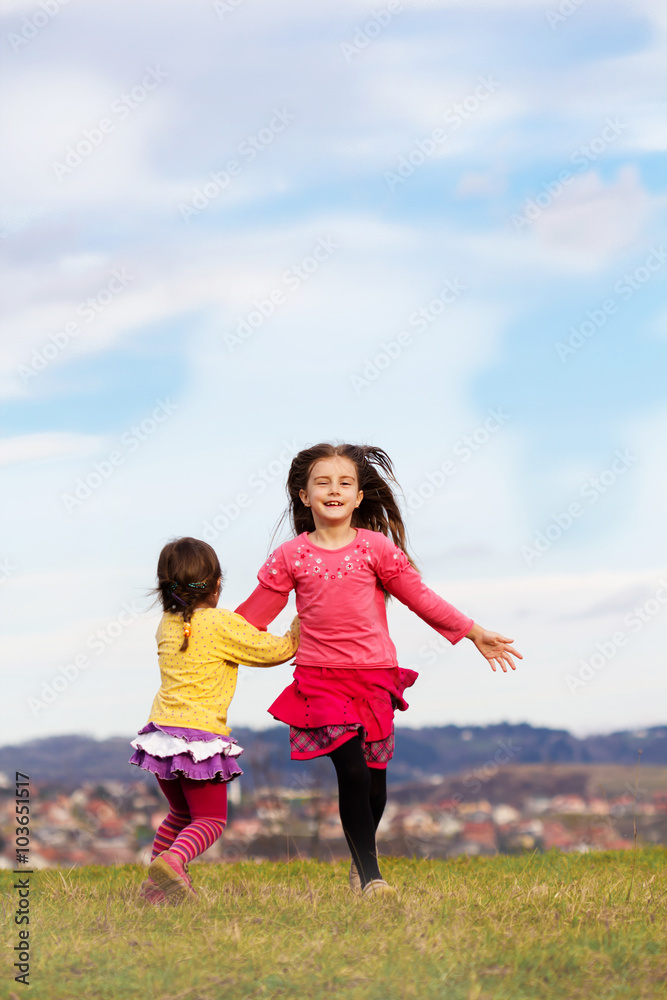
(171, 588)
(198, 586)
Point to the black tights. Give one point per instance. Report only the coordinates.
(362, 796)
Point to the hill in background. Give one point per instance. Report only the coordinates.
(420, 754)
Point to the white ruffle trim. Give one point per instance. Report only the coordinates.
(161, 744)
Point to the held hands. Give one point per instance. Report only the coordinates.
(495, 647)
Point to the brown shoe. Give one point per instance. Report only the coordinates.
(170, 874)
(378, 887)
(149, 893)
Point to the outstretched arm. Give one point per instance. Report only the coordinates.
(409, 588)
(407, 585)
(495, 647)
(243, 643)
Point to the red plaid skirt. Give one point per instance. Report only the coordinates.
(323, 705)
(305, 744)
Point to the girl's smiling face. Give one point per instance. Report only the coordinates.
(332, 491)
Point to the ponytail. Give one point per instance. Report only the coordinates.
(188, 572)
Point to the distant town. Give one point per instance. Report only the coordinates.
(112, 822)
(453, 791)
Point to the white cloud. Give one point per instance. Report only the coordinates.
(548, 620)
(481, 184)
(226, 274)
(14, 6)
(63, 156)
(479, 4)
(592, 221)
(27, 448)
(556, 594)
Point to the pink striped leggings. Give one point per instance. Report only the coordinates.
(196, 818)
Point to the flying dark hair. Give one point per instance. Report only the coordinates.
(188, 571)
(378, 510)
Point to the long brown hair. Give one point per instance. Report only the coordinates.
(378, 510)
(188, 571)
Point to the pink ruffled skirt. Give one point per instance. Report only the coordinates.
(324, 705)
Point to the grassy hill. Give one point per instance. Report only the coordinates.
(544, 927)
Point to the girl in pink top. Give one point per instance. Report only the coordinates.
(347, 682)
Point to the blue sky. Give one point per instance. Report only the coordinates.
(532, 150)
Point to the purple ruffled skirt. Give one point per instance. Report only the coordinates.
(173, 751)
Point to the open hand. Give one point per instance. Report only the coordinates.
(497, 648)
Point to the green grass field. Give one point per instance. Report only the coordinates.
(508, 928)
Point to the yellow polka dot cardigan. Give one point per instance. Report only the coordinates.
(197, 686)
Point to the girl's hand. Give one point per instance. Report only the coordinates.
(496, 648)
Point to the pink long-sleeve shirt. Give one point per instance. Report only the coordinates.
(340, 601)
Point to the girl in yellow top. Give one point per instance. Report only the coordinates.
(186, 741)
